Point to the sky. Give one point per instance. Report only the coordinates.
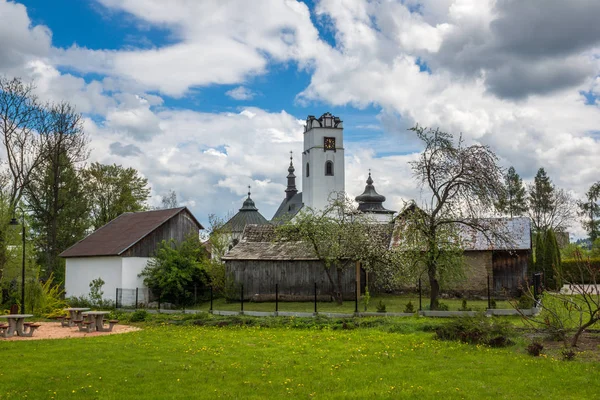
(208, 97)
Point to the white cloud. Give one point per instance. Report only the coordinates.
(241, 93)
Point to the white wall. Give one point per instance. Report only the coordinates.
(317, 187)
(80, 271)
(132, 266)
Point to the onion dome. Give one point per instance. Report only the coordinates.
(370, 201)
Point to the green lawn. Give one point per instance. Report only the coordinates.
(180, 362)
(393, 303)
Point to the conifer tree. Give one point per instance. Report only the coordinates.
(513, 201)
(589, 210)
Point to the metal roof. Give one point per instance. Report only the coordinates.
(247, 215)
(288, 209)
(121, 233)
(515, 233)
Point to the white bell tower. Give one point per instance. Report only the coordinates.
(322, 160)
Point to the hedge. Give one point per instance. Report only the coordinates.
(573, 270)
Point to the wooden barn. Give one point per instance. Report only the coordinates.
(259, 263)
(118, 251)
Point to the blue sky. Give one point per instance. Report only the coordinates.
(207, 97)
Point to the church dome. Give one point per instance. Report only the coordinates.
(370, 201)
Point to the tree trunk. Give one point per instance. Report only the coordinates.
(435, 291)
(339, 287)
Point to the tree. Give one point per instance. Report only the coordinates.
(169, 200)
(461, 184)
(55, 193)
(513, 201)
(339, 236)
(589, 211)
(176, 270)
(549, 207)
(114, 190)
(22, 125)
(547, 258)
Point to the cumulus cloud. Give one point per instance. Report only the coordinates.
(241, 93)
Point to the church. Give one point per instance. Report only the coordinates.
(323, 174)
(261, 263)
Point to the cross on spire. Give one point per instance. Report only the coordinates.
(248, 190)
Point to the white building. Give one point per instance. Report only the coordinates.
(323, 174)
(121, 249)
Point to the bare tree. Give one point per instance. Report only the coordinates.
(462, 184)
(22, 119)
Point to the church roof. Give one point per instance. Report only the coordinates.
(246, 215)
(288, 209)
(370, 201)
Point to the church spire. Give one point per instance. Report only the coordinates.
(249, 203)
(291, 181)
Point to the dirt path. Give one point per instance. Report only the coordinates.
(53, 330)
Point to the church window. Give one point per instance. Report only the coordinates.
(307, 170)
(329, 168)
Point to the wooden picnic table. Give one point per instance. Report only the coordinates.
(15, 324)
(74, 315)
(97, 320)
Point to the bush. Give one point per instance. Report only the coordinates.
(409, 308)
(493, 304)
(525, 302)
(571, 268)
(477, 330)
(381, 307)
(139, 316)
(535, 348)
(464, 307)
(568, 354)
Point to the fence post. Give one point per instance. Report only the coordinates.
(211, 299)
(158, 301)
(488, 290)
(420, 295)
(356, 297)
(315, 297)
(136, 297)
(242, 297)
(117, 298)
(277, 297)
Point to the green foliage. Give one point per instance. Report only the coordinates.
(96, 292)
(477, 330)
(176, 270)
(139, 316)
(493, 305)
(571, 268)
(464, 306)
(549, 207)
(589, 211)
(409, 308)
(380, 306)
(547, 258)
(525, 302)
(114, 190)
(366, 298)
(45, 298)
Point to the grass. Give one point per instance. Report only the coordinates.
(188, 361)
(394, 303)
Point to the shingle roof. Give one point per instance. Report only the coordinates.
(121, 233)
(259, 243)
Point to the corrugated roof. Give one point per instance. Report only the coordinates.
(122, 232)
(513, 234)
(247, 215)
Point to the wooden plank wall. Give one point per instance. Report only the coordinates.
(295, 278)
(177, 228)
(510, 270)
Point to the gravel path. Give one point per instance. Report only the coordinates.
(53, 330)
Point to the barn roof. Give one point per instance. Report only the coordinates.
(259, 243)
(114, 238)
